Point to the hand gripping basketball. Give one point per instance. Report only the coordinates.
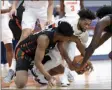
(77, 62)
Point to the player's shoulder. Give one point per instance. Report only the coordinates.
(110, 15)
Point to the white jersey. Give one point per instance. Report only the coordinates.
(73, 22)
(71, 7)
(39, 6)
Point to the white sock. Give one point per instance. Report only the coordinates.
(13, 65)
(66, 71)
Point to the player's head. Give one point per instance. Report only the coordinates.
(103, 11)
(86, 17)
(65, 29)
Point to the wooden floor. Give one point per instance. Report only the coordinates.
(100, 78)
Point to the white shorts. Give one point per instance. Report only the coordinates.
(30, 17)
(71, 49)
(7, 35)
(56, 59)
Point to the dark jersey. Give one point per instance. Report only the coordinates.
(29, 45)
(109, 28)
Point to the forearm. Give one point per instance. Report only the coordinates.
(38, 62)
(79, 45)
(50, 12)
(63, 52)
(81, 48)
(15, 3)
(40, 66)
(88, 54)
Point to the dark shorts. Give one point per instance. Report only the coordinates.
(25, 62)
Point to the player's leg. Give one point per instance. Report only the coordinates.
(23, 63)
(43, 20)
(7, 39)
(67, 76)
(51, 60)
(28, 23)
(57, 70)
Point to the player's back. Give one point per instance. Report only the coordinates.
(71, 7)
(29, 45)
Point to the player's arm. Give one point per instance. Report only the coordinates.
(62, 8)
(79, 45)
(43, 42)
(104, 22)
(13, 9)
(64, 54)
(14, 4)
(50, 11)
(104, 38)
(82, 4)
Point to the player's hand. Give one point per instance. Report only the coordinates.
(12, 13)
(49, 22)
(90, 67)
(52, 82)
(87, 67)
(73, 67)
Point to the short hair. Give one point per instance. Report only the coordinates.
(65, 28)
(103, 11)
(86, 14)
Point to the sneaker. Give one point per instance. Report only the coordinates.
(64, 81)
(41, 80)
(9, 76)
(70, 76)
(33, 72)
(38, 77)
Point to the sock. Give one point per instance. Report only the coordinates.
(66, 71)
(13, 65)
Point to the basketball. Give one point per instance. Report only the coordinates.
(77, 62)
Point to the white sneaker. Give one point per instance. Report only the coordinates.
(70, 77)
(41, 79)
(64, 81)
(38, 77)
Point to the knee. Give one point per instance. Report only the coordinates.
(26, 32)
(9, 47)
(20, 84)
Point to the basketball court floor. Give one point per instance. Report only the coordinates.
(100, 78)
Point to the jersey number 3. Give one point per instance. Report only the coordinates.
(72, 8)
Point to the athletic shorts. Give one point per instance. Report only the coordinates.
(25, 62)
(7, 35)
(30, 17)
